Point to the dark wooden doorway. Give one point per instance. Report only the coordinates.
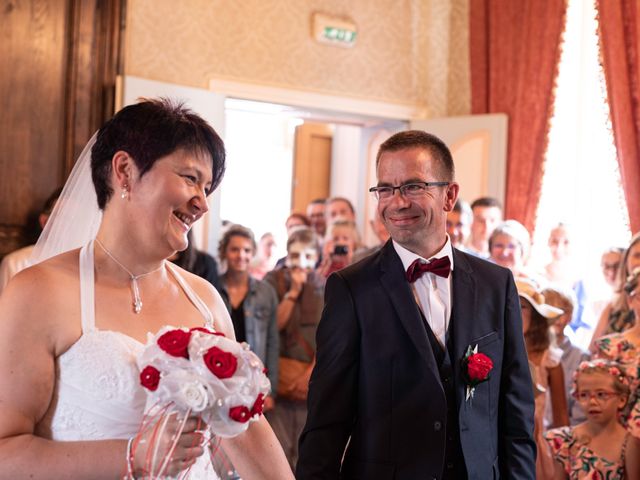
(59, 60)
(311, 164)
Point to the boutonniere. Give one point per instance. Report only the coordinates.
(476, 367)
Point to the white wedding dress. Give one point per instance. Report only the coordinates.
(97, 393)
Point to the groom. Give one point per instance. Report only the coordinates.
(421, 368)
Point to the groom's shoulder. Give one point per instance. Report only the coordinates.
(367, 267)
(480, 268)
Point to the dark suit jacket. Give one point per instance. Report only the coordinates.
(376, 389)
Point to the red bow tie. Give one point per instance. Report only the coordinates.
(438, 266)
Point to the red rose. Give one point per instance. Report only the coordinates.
(258, 405)
(222, 364)
(175, 343)
(240, 414)
(478, 367)
(150, 378)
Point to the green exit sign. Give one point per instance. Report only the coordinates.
(342, 35)
(333, 30)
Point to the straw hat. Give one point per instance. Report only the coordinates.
(533, 294)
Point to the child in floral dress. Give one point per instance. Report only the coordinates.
(597, 448)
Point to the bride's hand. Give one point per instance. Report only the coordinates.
(189, 447)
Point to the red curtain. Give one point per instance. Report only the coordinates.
(514, 54)
(618, 23)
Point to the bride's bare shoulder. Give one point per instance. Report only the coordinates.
(44, 286)
(50, 273)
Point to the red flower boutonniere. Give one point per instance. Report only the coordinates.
(476, 367)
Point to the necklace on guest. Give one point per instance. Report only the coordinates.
(135, 291)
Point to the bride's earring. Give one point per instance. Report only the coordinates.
(125, 192)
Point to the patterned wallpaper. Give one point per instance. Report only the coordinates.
(407, 51)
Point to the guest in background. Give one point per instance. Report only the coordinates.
(300, 291)
(572, 356)
(296, 220)
(197, 262)
(509, 246)
(544, 357)
(263, 262)
(19, 259)
(251, 303)
(487, 214)
(617, 316)
(560, 270)
(607, 285)
(316, 213)
(610, 264)
(340, 243)
(339, 207)
(459, 225)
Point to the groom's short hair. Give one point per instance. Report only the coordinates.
(419, 139)
(147, 131)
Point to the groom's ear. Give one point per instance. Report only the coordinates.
(123, 168)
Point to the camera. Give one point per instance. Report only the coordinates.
(340, 250)
(632, 281)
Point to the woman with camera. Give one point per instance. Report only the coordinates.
(340, 243)
(300, 290)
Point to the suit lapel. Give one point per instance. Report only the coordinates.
(404, 304)
(463, 303)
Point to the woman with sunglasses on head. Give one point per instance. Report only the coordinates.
(600, 446)
(74, 324)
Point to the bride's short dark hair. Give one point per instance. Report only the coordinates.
(149, 130)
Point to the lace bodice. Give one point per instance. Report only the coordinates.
(97, 393)
(97, 388)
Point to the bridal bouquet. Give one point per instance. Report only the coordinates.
(201, 371)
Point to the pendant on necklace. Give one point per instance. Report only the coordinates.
(137, 301)
(137, 306)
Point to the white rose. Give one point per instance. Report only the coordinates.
(183, 388)
(193, 395)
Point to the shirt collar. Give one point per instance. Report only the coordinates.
(408, 257)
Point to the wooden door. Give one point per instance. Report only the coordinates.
(311, 165)
(59, 60)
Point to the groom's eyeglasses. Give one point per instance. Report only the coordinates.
(407, 190)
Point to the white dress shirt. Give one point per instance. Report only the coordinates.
(432, 292)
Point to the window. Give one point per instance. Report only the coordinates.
(581, 184)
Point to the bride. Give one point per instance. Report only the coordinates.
(71, 326)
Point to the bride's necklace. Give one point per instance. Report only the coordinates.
(135, 291)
